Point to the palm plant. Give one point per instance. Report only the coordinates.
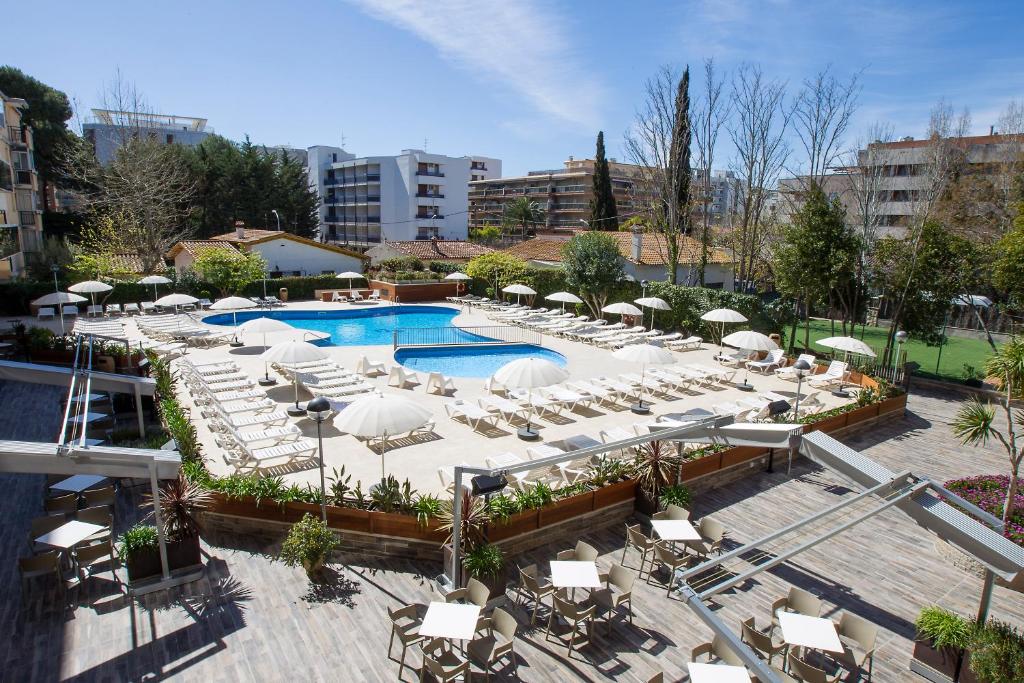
(975, 422)
(655, 467)
(180, 499)
(524, 214)
(474, 516)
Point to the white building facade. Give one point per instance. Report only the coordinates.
(107, 130)
(414, 195)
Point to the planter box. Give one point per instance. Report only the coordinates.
(566, 508)
(891, 405)
(614, 493)
(519, 523)
(740, 454)
(862, 414)
(941, 665)
(829, 424)
(180, 554)
(350, 519)
(403, 526)
(700, 466)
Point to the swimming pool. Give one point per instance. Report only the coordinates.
(471, 361)
(359, 327)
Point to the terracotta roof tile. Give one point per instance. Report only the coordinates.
(440, 249)
(194, 247)
(251, 235)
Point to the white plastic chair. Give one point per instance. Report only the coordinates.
(436, 382)
(46, 313)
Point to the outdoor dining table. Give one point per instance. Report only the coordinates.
(450, 620)
(813, 632)
(675, 530)
(701, 672)
(574, 574)
(68, 535)
(78, 483)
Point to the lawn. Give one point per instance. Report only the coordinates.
(955, 352)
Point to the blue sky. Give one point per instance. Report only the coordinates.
(527, 81)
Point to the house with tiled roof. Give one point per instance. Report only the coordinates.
(644, 257)
(435, 249)
(286, 254)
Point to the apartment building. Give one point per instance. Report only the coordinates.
(107, 130)
(20, 216)
(414, 195)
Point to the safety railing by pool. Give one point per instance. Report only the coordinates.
(455, 336)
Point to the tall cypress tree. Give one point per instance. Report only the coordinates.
(603, 213)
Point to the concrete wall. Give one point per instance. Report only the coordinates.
(287, 256)
(714, 275)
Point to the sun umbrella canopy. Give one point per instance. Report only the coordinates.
(154, 280)
(379, 415)
(847, 345)
(972, 300)
(350, 275)
(231, 303)
(530, 373)
(264, 325)
(654, 302)
(564, 297)
(58, 298)
(648, 354)
(293, 352)
(518, 289)
(176, 300)
(724, 315)
(622, 308)
(90, 287)
(457, 276)
(750, 340)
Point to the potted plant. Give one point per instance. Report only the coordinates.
(996, 655)
(486, 564)
(139, 549)
(654, 468)
(677, 494)
(180, 501)
(942, 639)
(474, 517)
(309, 543)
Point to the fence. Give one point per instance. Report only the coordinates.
(460, 336)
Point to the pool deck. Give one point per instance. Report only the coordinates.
(418, 459)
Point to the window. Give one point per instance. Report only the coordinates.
(6, 178)
(170, 139)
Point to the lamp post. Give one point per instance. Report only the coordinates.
(901, 338)
(278, 217)
(643, 295)
(318, 410)
(800, 368)
(54, 268)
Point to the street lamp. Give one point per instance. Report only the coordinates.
(901, 338)
(800, 368)
(278, 217)
(54, 268)
(318, 410)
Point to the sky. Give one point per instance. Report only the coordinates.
(529, 82)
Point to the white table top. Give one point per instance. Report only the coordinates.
(573, 574)
(813, 632)
(92, 397)
(675, 530)
(69, 534)
(701, 672)
(90, 417)
(78, 482)
(450, 620)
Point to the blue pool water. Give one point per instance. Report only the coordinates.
(471, 361)
(359, 327)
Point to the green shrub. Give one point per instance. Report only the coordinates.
(400, 263)
(997, 653)
(181, 429)
(944, 628)
(427, 506)
(309, 541)
(443, 267)
(501, 507)
(485, 560)
(675, 495)
(140, 537)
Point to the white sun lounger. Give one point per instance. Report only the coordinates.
(602, 395)
(471, 413)
(688, 344)
(505, 408)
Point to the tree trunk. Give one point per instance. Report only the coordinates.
(796, 321)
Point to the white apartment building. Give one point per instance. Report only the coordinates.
(20, 214)
(415, 195)
(107, 130)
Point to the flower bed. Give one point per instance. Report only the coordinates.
(988, 491)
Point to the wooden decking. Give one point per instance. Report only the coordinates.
(254, 619)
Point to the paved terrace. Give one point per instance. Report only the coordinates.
(254, 619)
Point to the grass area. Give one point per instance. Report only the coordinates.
(955, 352)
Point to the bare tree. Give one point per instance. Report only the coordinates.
(711, 112)
(654, 144)
(822, 112)
(758, 132)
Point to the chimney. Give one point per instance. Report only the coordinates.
(240, 229)
(991, 130)
(636, 243)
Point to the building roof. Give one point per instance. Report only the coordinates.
(194, 247)
(127, 263)
(994, 139)
(256, 236)
(652, 250)
(440, 249)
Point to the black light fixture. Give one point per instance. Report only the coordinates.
(800, 368)
(778, 407)
(486, 484)
(318, 410)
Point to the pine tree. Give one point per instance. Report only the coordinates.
(603, 212)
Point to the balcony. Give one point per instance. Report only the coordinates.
(432, 174)
(428, 216)
(27, 219)
(17, 136)
(23, 177)
(331, 182)
(477, 166)
(430, 195)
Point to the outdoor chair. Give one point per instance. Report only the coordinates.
(808, 673)
(617, 592)
(148, 307)
(374, 295)
(775, 359)
(61, 505)
(836, 373)
(131, 309)
(100, 515)
(712, 533)
(68, 311)
(90, 558)
(531, 586)
(583, 552)
(672, 562)
(635, 538)
(716, 650)
(405, 623)
(93, 311)
(811, 403)
(338, 297)
(438, 383)
(368, 368)
(46, 313)
(799, 601)
(113, 309)
(354, 295)
(858, 637)
(761, 641)
(672, 512)
(470, 412)
(41, 526)
(689, 344)
(576, 616)
(498, 644)
(101, 496)
(475, 592)
(42, 564)
(444, 665)
(400, 377)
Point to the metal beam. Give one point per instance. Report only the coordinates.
(35, 457)
(60, 376)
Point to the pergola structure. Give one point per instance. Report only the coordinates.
(934, 508)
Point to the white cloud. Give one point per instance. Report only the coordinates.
(522, 44)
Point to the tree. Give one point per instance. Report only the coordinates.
(47, 114)
(816, 258)
(486, 234)
(497, 269)
(603, 213)
(822, 113)
(975, 422)
(659, 143)
(592, 267)
(1008, 267)
(97, 256)
(711, 113)
(524, 214)
(229, 271)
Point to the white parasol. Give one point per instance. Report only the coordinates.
(380, 416)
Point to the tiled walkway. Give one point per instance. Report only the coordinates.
(255, 619)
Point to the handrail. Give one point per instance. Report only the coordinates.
(71, 393)
(87, 396)
(463, 336)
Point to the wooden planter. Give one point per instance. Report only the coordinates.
(180, 554)
(740, 454)
(519, 523)
(701, 466)
(614, 493)
(891, 405)
(827, 425)
(941, 664)
(862, 414)
(567, 508)
(403, 526)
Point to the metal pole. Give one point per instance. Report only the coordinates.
(155, 487)
(60, 307)
(799, 384)
(138, 410)
(457, 527)
(323, 487)
(986, 596)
